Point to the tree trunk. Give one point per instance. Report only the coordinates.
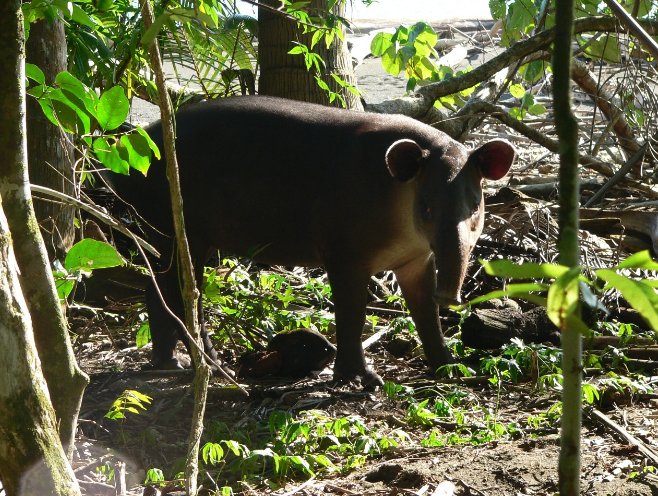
(50, 154)
(285, 75)
(32, 460)
(65, 380)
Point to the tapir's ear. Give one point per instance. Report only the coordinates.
(403, 159)
(493, 158)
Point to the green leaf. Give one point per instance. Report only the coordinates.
(68, 113)
(64, 284)
(517, 90)
(562, 300)
(143, 336)
(640, 295)
(138, 151)
(112, 109)
(537, 109)
(154, 148)
(606, 48)
(109, 156)
(33, 72)
(381, 43)
(391, 62)
(639, 260)
(90, 254)
(83, 96)
(528, 270)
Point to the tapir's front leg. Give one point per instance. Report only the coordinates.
(417, 280)
(349, 295)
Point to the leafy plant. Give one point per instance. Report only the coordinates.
(299, 445)
(130, 401)
(77, 109)
(322, 29)
(261, 303)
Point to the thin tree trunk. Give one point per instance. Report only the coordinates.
(50, 154)
(65, 380)
(568, 246)
(32, 460)
(190, 291)
(285, 75)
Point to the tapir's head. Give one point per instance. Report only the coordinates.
(449, 206)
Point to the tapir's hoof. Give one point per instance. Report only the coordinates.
(445, 360)
(367, 379)
(169, 364)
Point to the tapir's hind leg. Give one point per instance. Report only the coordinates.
(165, 331)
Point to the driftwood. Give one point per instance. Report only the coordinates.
(492, 328)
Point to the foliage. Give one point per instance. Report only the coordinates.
(324, 28)
(130, 401)
(569, 285)
(262, 303)
(296, 446)
(77, 109)
(206, 36)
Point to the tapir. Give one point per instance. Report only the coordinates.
(293, 183)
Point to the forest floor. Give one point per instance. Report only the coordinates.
(504, 441)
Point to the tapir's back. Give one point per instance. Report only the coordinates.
(272, 169)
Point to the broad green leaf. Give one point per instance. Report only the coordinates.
(641, 296)
(33, 72)
(138, 151)
(109, 156)
(522, 290)
(517, 90)
(90, 254)
(562, 299)
(64, 284)
(380, 44)
(528, 270)
(78, 95)
(391, 62)
(112, 109)
(537, 109)
(154, 148)
(497, 8)
(65, 112)
(639, 260)
(606, 48)
(535, 70)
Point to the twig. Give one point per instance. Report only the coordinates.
(645, 40)
(300, 488)
(102, 216)
(618, 176)
(374, 338)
